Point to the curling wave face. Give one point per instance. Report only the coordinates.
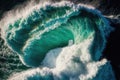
(51, 27)
(63, 35)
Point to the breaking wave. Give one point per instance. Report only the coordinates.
(64, 40)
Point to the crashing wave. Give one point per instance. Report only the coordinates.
(64, 39)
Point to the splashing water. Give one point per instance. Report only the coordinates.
(64, 39)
